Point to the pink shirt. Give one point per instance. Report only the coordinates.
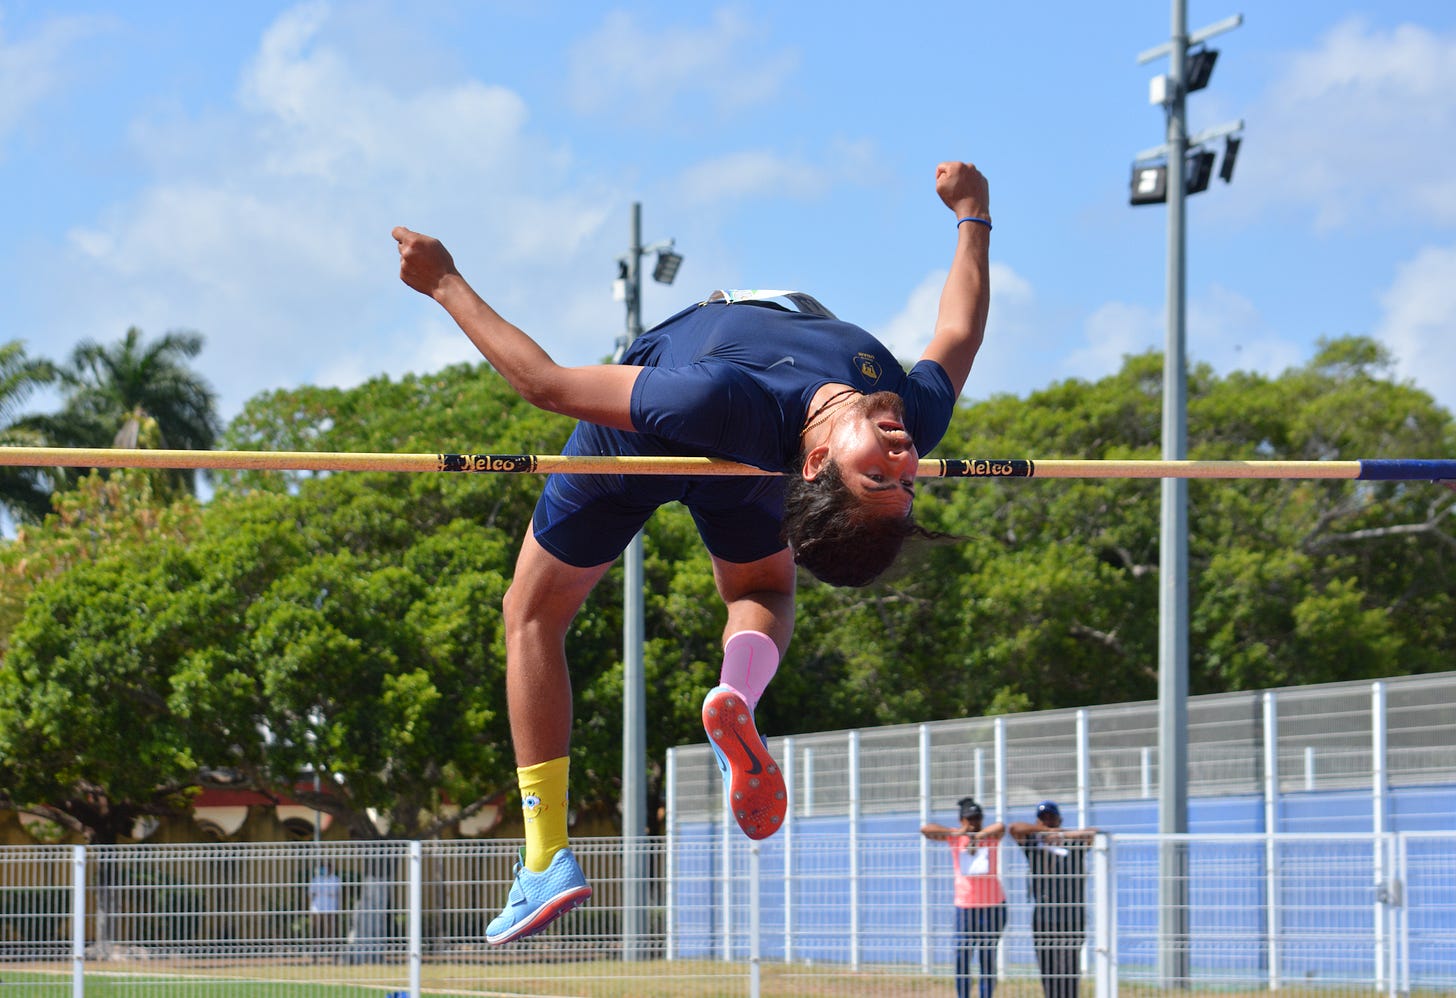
(977, 884)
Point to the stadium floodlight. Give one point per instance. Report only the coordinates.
(1190, 64)
(1230, 154)
(620, 285)
(1198, 68)
(667, 264)
(634, 683)
(1149, 183)
(1198, 170)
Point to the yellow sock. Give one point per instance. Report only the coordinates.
(543, 802)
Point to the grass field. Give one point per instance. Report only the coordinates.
(608, 979)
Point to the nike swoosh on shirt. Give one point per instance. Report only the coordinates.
(782, 360)
(754, 766)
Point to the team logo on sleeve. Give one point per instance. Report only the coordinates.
(868, 367)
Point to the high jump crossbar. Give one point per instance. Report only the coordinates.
(1390, 469)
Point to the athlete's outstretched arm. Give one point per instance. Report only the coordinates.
(966, 299)
(600, 393)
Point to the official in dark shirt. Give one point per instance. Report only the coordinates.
(1056, 860)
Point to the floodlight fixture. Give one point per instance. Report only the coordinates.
(1198, 171)
(619, 286)
(667, 264)
(1149, 183)
(1160, 91)
(1230, 154)
(1198, 68)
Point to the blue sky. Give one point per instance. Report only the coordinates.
(235, 169)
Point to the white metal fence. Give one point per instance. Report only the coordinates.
(803, 913)
(1378, 757)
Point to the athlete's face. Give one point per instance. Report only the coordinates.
(875, 455)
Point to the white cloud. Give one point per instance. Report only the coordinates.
(763, 173)
(437, 343)
(267, 225)
(1353, 126)
(1113, 331)
(634, 74)
(1030, 345)
(743, 175)
(321, 117)
(210, 237)
(1419, 319)
(907, 333)
(1221, 328)
(33, 68)
(1227, 331)
(1018, 337)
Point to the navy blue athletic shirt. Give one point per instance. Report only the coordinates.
(731, 381)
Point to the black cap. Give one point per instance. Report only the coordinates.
(970, 810)
(1048, 807)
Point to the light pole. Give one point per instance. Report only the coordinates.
(628, 288)
(1171, 92)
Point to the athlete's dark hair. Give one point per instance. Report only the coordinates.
(833, 537)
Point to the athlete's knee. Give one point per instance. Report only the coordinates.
(534, 611)
(521, 608)
(520, 613)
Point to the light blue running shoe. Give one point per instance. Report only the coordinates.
(537, 899)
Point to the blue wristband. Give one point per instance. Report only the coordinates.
(979, 221)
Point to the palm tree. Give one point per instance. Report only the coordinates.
(24, 492)
(139, 394)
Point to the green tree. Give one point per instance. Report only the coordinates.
(351, 622)
(344, 622)
(364, 668)
(100, 516)
(84, 564)
(138, 393)
(24, 492)
(453, 536)
(1047, 595)
(85, 733)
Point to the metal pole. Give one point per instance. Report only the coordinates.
(855, 892)
(1084, 769)
(1400, 983)
(788, 846)
(1271, 827)
(669, 875)
(925, 791)
(416, 915)
(755, 925)
(1380, 818)
(998, 764)
(1104, 880)
(726, 845)
(808, 795)
(1003, 813)
(1084, 800)
(78, 921)
(634, 697)
(1173, 553)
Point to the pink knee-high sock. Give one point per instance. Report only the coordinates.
(750, 659)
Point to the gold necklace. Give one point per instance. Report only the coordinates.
(809, 423)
